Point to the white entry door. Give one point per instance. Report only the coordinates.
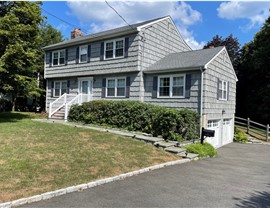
(214, 125)
(85, 89)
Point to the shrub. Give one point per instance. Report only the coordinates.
(133, 115)
(203, 150)
(240, 136)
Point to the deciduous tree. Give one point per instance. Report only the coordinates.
(19, 48)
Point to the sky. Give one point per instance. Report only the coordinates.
(197, 21)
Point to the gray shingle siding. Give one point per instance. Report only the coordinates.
(97, 87)
(213, 107)
(193, 102)
(159, 42)
(96, 66)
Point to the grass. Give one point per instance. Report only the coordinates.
(203, 150)
(38, 157)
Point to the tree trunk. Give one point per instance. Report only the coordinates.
(13, 102)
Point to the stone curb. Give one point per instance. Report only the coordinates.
(51, 194)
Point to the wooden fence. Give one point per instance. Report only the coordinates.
(253, 128)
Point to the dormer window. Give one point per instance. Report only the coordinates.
(114, 49)
(58, 57)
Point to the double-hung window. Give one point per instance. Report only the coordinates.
(58, 57)
(171, 86)
(83, 53)
(116, 87)
(114, 49)
(60, 87)
(222, 90)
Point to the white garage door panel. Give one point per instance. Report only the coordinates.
(214, 125)
(227, 131)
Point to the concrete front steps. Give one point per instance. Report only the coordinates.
(59, 115)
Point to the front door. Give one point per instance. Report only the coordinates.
(85, 89)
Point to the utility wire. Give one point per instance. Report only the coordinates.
(75, 26)
(120, 16)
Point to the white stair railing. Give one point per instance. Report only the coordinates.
(57, 104)
(75, 100)
(66, 101)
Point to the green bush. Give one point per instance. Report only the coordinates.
(240, 136)
(137, 116)
(203, 150)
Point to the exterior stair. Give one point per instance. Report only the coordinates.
(59, 115)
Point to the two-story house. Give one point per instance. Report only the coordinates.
(149, 62)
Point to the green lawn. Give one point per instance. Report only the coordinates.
(38, 157)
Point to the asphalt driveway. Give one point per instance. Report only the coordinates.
(239, 177)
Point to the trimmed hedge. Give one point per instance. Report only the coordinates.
(137, 116)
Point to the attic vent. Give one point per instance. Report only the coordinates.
(76, 33)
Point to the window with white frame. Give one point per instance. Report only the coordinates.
(222, 90)
(114, 49)
(171, 86)
(60, 87)
(58, 57)
(83, 53)
(116, 87)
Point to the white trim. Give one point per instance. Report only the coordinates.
(83, 54)
(85, 79)
(114, 48)
(115, 87)
(58, 58)
(171, 76)
(60, 89)
(223, 49)
(222, 90)
(151, 23)
(90, 88)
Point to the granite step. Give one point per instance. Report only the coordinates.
(164, 144)
(151, 140)
(188, 155)
(175, 150)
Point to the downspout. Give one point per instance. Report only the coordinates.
(201, 101)
(141, 88)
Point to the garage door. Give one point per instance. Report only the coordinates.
(214, 125)
(227, 131)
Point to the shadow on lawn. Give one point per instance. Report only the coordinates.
(6, 117)
(258, 199)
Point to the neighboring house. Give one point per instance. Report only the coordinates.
(149, 62)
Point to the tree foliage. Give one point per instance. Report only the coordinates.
(253, 88)
(48, 35)
(23, 33)
(19, 48)
(231, 43)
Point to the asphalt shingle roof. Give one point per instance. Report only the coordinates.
(184, 60)
(101, 34)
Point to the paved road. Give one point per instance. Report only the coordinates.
(239, 177)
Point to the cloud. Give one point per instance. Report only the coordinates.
(98, 16)
(255, 12)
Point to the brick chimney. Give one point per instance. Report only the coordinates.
(76, 33)
(211, 46)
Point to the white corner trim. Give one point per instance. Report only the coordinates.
(222, 50)
(151, 23)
